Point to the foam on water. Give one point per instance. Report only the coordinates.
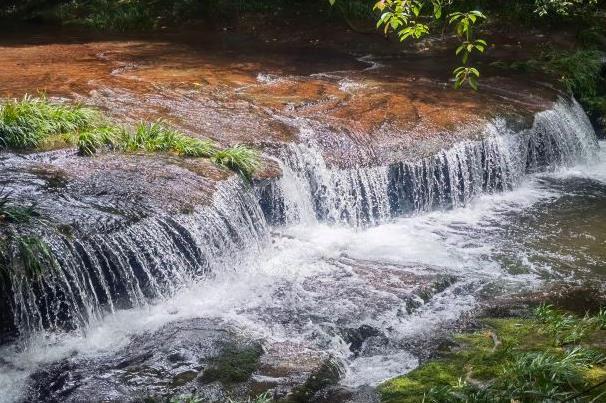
(340, 262)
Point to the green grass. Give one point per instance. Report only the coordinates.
(26, 256)
(262, 398)
(544, 358)
(158, 137)
(239, 158)
(28, 122)
(32, 123)
(14, 214)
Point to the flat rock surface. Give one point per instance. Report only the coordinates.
(363, 108)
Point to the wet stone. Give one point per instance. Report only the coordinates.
(201, 357)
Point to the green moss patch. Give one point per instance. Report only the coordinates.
(552, 356)
(234, 365)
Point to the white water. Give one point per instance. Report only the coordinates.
(313, 275)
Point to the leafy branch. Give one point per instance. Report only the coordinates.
(412, 19)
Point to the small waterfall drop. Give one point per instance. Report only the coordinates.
(310, 191)
(153, 258)
(144, 262)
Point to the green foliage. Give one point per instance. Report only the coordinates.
(564, 7)
(126, 15)
(14, 214)
(238, 158)
(466, 74)
(26, 256)
(26, 123)
(579, 71)
(91, 141)
(412, 19)
(521, 360)
(262, 398)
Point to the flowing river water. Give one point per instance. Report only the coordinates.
(310, 278)
(360, 264)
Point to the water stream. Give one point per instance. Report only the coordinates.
(405, 249)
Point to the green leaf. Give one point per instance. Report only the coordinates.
(473, 83)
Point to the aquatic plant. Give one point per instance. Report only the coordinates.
(262, 398)
(89, 142)
(566, 328)
(239, 158)
(27, 256)
(26, 123)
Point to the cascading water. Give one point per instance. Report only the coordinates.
(313, 283)
(309, 191)
(146, 261)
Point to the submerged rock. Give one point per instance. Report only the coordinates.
(203, 358)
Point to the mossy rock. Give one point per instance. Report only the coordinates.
(326, 376)
(235, 364)
(480, 360)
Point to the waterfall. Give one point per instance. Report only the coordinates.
(309, 191)
(146, 261)
(153, 258)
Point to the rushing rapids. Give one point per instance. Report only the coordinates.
(222, 260)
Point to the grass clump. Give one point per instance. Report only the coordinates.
(158, 137)
(14, 214)
(262, 398)
(25, 257)
(553, 356)
(238, 158)
(28, 122)
(32, 123)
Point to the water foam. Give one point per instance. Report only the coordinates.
(320, 274)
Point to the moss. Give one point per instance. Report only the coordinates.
(508, 359)
(234, 365)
